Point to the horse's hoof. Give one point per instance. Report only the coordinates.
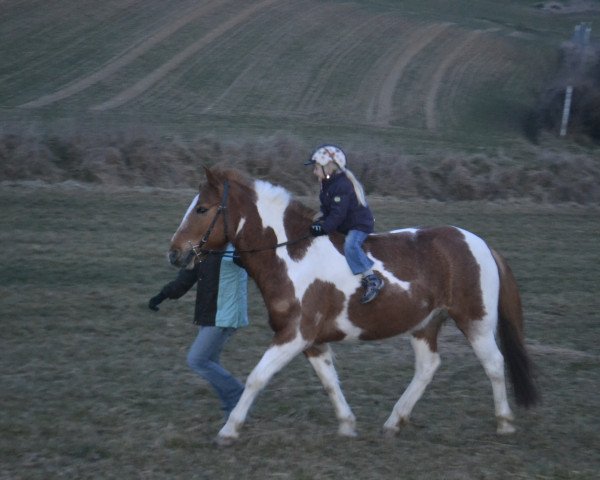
(505, 428)
(223, 441)
(391, 429)
(347, 431)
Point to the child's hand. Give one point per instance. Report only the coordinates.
(316, 230)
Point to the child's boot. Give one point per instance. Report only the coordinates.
(372, 284)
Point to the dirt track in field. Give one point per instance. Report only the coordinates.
(440, 75)
(338, 53)
(125, 59)
(380, 107)
(267, 54)
(161, 72)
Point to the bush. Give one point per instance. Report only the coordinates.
(146, 161)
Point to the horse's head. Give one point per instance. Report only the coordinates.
(206, 225)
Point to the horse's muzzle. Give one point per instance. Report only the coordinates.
(173, 256)
(180, 259)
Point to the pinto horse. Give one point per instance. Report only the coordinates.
(312, 298)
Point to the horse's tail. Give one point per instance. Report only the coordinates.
(510, 331)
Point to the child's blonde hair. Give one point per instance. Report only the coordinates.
(358, 188)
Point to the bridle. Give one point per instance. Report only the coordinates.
(198, 250)
(201, 252)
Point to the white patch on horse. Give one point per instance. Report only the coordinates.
(241, 225)
(427, 320)
(489, 278)
(331, 267)
(411, 231)
(271, 203)
(391, 278)
(186, 215)
(281, 305)
(191, 207)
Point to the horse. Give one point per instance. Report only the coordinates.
(312, 298)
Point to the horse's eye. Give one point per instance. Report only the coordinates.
(201, 210)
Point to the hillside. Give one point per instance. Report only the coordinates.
(411, 77)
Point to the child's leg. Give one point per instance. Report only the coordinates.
(359, 263)
(355, 256)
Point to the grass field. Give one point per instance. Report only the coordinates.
(94, 385)
(381, 74)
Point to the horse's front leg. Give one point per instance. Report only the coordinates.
(321, 359)
(273, 360)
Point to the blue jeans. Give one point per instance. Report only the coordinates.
(203, 358)
(355, 256)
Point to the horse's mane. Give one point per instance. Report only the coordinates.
(223, 172)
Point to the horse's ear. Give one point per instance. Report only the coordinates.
(211, 178)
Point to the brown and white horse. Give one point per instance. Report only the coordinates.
(430, 275)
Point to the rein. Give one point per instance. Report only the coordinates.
(254, 250)
(199, 252)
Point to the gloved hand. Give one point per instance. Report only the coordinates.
(316, 229)
(155, 301)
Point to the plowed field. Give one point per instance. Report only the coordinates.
(387, 70)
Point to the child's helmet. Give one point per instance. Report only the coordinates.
(328, 153)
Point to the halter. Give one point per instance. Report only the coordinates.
(200, 252)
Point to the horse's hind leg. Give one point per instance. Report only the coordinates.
(481, 337)
(427, 362)
(273, 360)
(321, 358)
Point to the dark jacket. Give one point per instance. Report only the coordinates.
(221, 291)
(340, 207)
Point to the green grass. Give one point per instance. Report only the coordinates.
(306, 68)
(94, 385)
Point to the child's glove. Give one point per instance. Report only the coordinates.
(316, 229)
